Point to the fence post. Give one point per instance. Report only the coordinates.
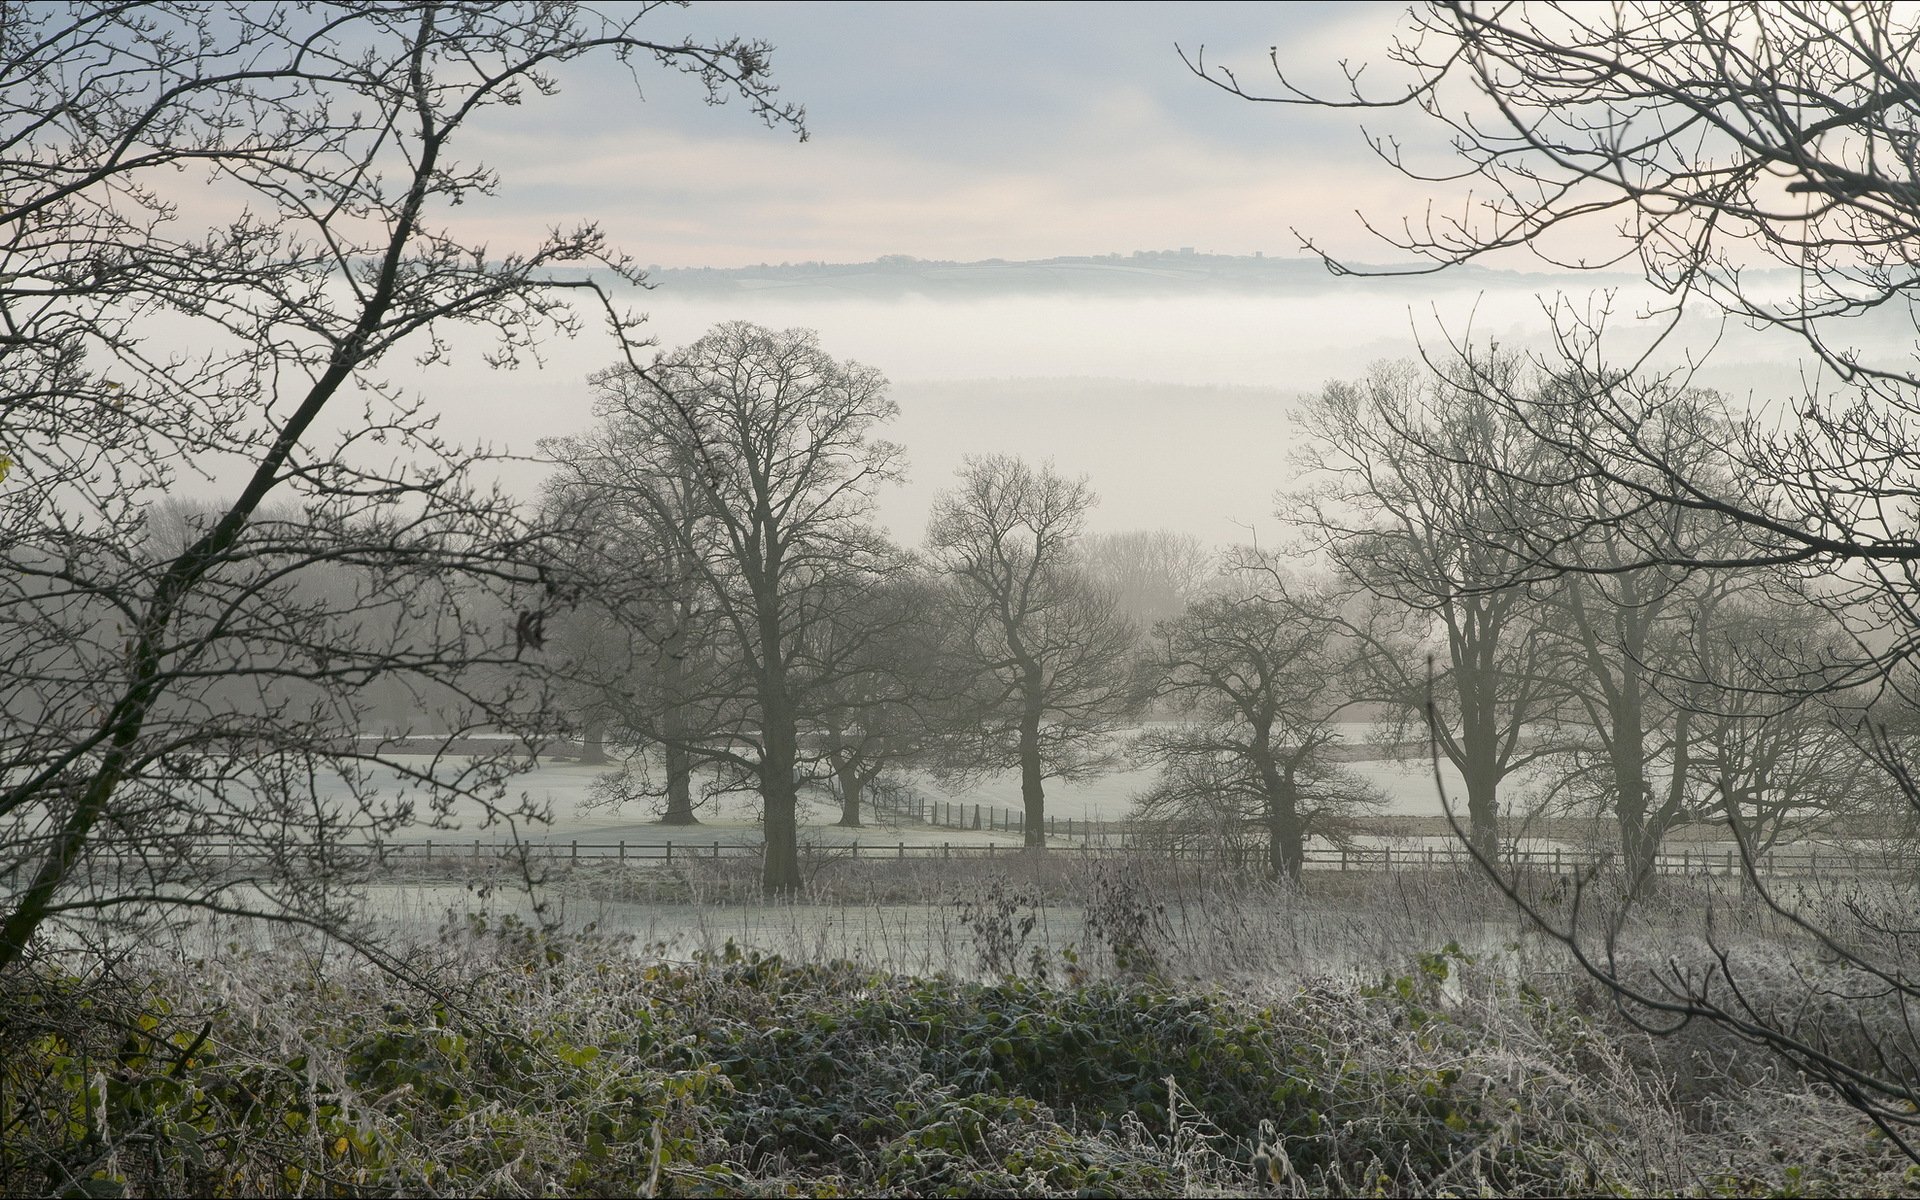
(429, 849)
(856, 848)
(669, 850)
(623, 850)
(903, 849)
(1729, 862)
(716, 848)
(1386, 858)
(946, 849)
(976, 816)
(1343, 858)
(476, 849)
(989, 849)
(576, 850)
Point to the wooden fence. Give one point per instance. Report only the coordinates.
(953, 814)
(1781, 863)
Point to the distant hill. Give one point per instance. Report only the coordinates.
(1147, 272)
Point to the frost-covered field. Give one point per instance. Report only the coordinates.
(566, 788)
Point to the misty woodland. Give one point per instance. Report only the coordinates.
(483, 716)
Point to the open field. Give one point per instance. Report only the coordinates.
(981, 822)
(1414, 813)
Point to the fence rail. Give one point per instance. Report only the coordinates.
(1787, 863)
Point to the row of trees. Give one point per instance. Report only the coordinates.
(743, 617)
(743, 613)
(1634, 685)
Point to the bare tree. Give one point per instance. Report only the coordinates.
(641, 652)
(1405, 469)
(1774, 758)
(1621, 624)
(751, 455)
(1051, 652)
(1263, 670)
(893, 685)
(140, 342)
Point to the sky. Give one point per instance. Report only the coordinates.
(1012, 131)
(959, 131)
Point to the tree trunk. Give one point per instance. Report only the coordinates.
(779, 751)
(1286, 841)
(1639, 841)
(1033, 796)
(846, 772)
(593, 743)
(1479, 746)
(1483, 810)
(679, 788)
(673, 726)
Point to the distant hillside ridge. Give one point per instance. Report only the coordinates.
(1144, 272)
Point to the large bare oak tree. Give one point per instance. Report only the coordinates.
(751, 454)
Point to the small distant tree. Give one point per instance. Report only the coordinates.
(1049, 652)
(1774, 757)
(891, 686)
(1262, 670)
(1153, 573)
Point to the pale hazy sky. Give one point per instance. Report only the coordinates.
(1017, 131)
(961, 131)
